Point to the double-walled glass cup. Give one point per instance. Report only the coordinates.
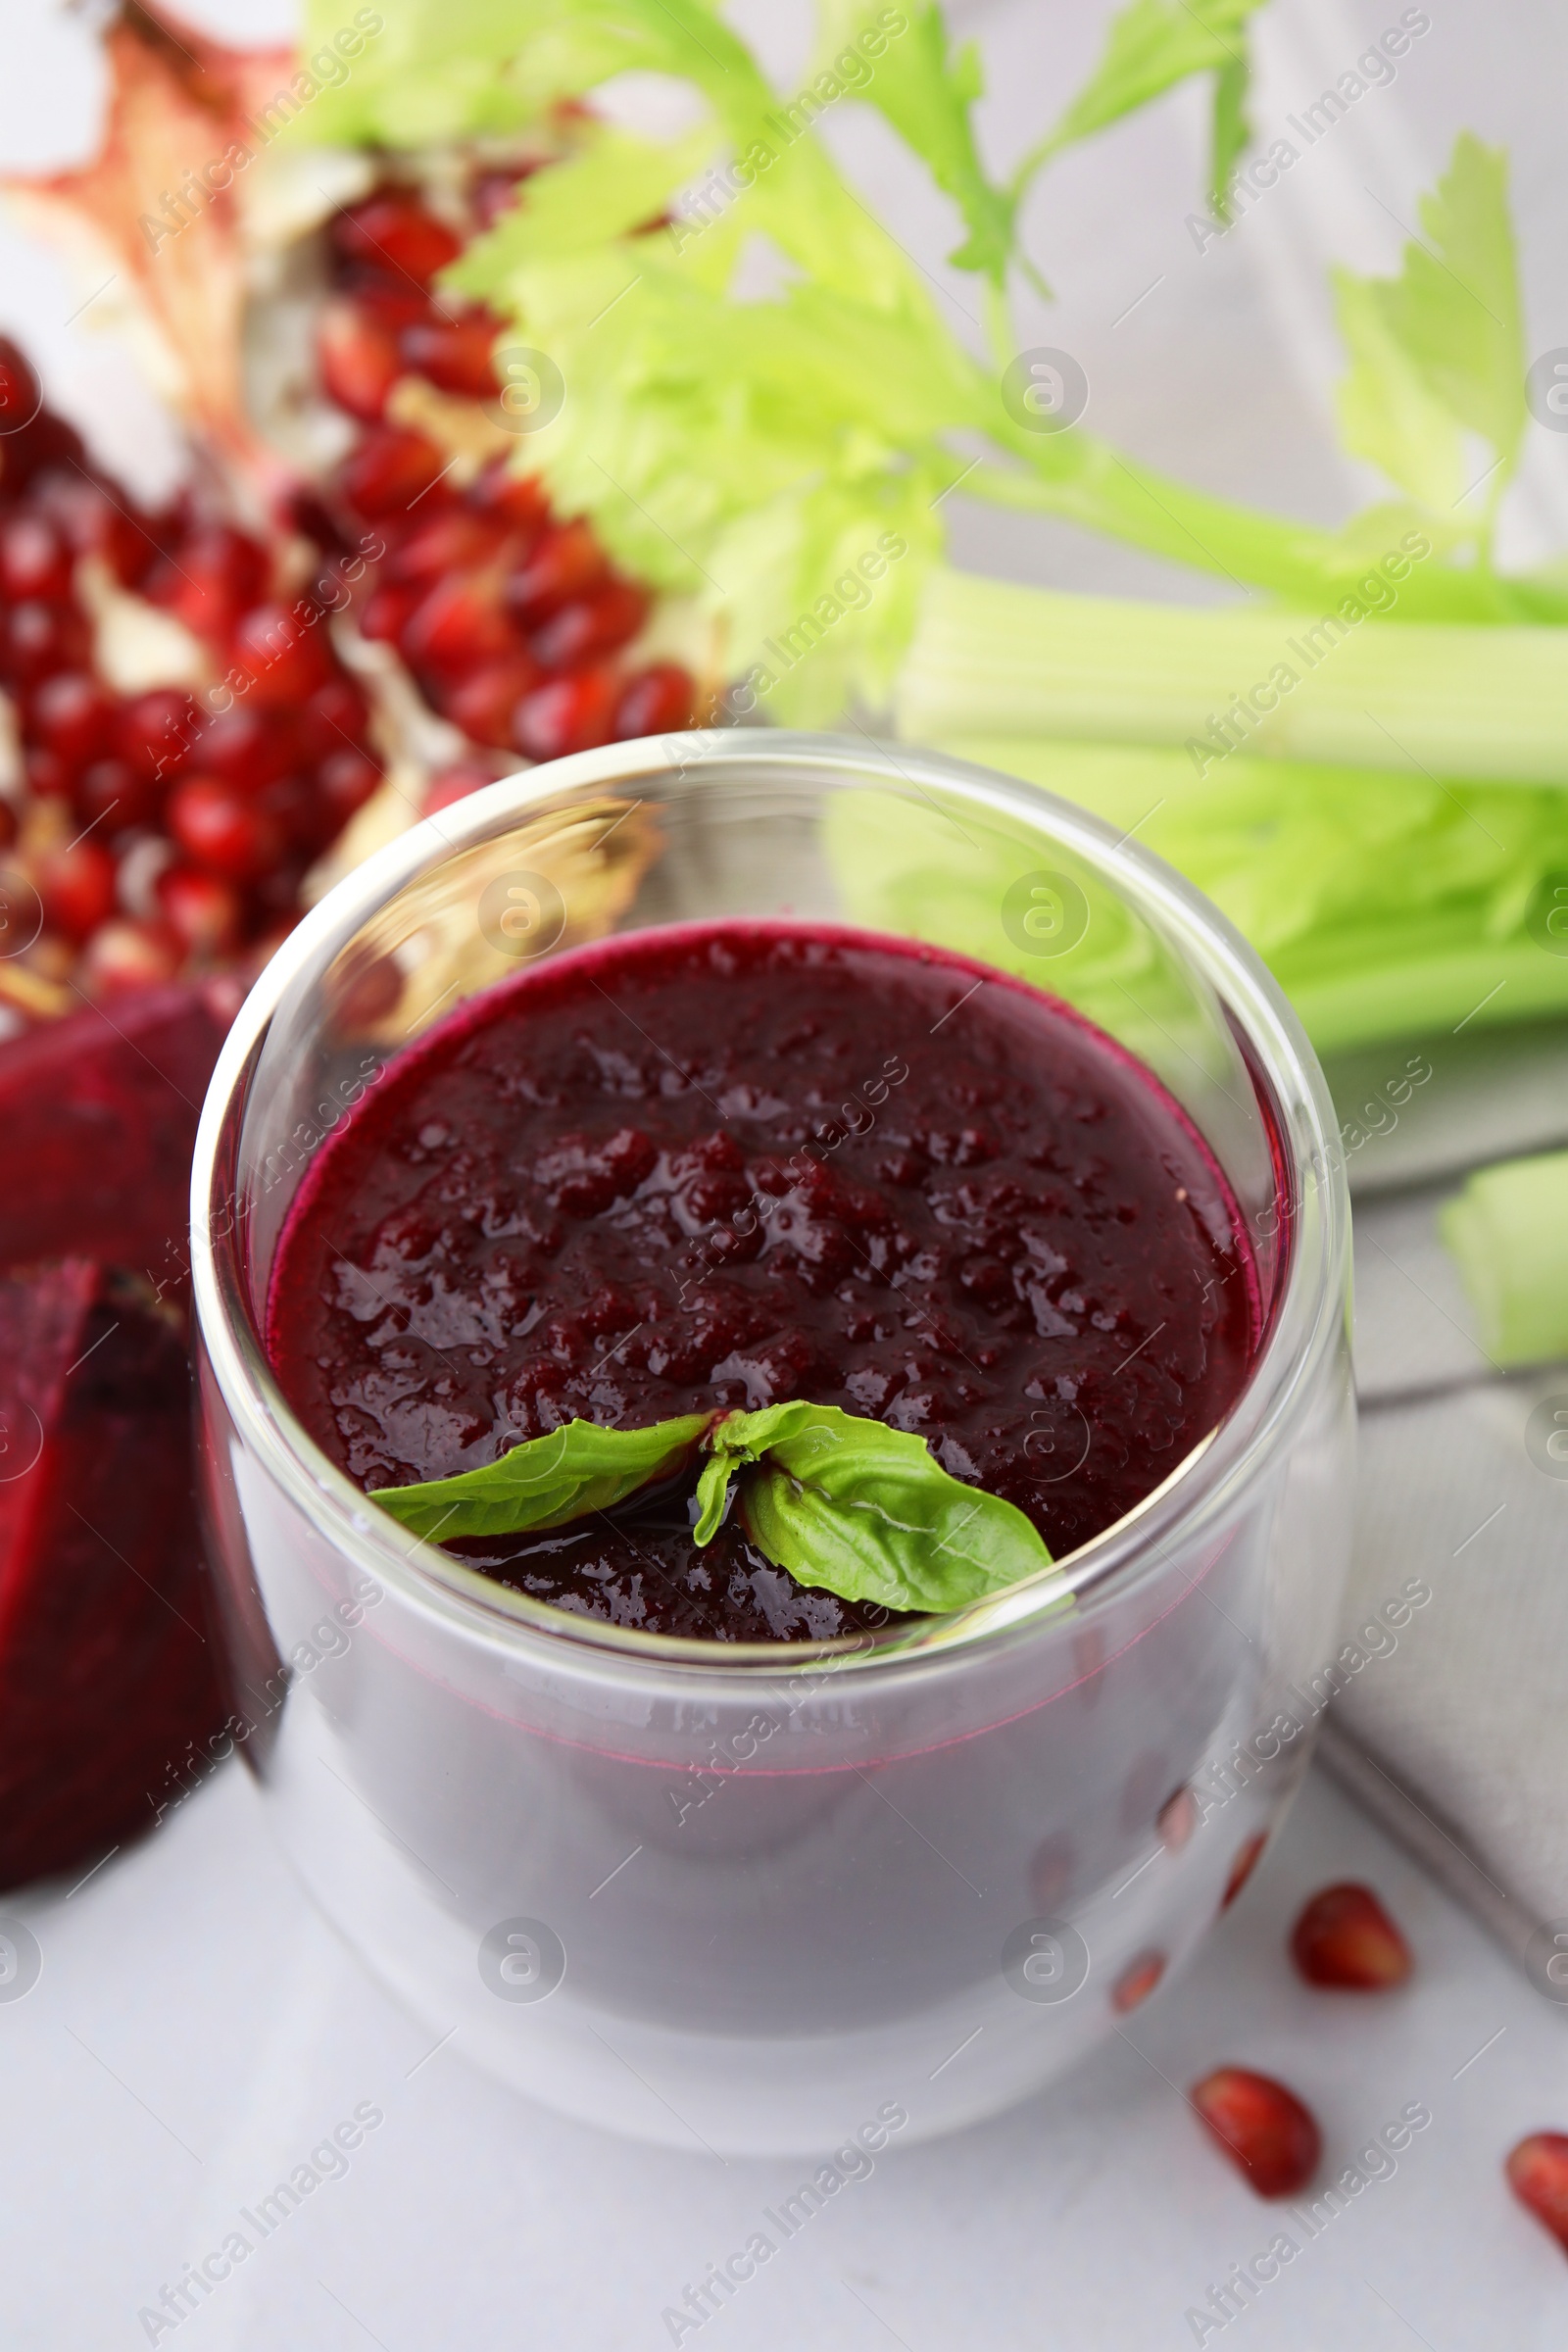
(760, 1899)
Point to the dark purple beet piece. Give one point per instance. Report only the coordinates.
(98, 1113)
(107, 1670)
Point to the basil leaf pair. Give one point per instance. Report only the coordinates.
(839, 1502)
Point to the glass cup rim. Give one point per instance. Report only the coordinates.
(1302, 1326)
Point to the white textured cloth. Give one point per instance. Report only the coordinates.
(1458, 1737)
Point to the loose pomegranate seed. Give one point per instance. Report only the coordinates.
(34, 559)
(128, 955)
(454, 540)
(1263, 2127)
(454, 784)
(455, 353)
(153, 732)
(203, 910)
(1176, 1820)
(657, 701)
(334, 718)
(245, 747)
(221, 831)
(1538, 2174)
(1345, 1939)
(215, 573)
(345, 781)
(8, 824)
(458, 625)
(1248, 1858)
(387, 612)
(78, 887)
(1137, 1982)
(357, 357)
(516, 499)
(484, 704)
(37, 639)
(392, 231)
(566, 563)
(388, 470)
(589, 629)
(285, 657)
(72, 715)
(110, 793)
(566, 714)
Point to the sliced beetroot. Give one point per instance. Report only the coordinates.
(99, 1113)
(108, 1672)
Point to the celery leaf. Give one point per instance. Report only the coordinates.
(1439, 350)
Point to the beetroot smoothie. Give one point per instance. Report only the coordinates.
(729, 1164)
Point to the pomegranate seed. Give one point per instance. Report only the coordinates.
(1176, 1820)
(93, 522)
(454, 540)
(34, 560)
(335, 717)
(20, 394)
(392, 231)
(588, 630)
(1137, 1980)
(46, 773)
(153, 732)
(566, 563)
(1345, 1939)
(110, 793)
(458, 625)
(70, 714)
(297, 815)
(484, 704)
(8, 824)
(515, 498)
(203, 910)
(125, 955)
(37, 639)
(387, 612)
(657, 701)
(1263, 2127)
(245, 748)
(357, 357)
(454, 784)
(455, 353)
(566, 714)
(286, 658)
(210, 581)
(78, 887)
(1248, 1858)
(220, 829)
(388, 470)
(1538, 2174)
(345, 781)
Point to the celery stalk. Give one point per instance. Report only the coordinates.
(1507, 1231)
(1481, 703)
(1386, 904)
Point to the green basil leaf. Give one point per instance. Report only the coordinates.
(734, 1441)
(546, 1482)
(855, 1509)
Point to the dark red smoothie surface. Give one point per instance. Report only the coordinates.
(725, 1164)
